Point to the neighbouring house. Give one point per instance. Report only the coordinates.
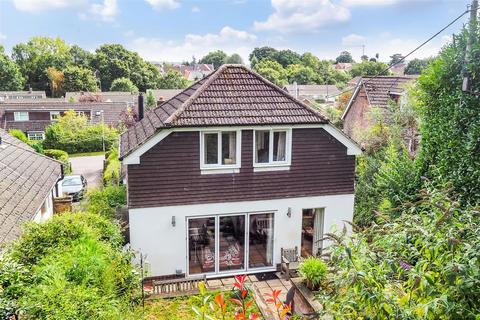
(32, 117)
(28, 185)
(344, 66)
(229, 171)
(193, 72)
(22, 95)
(313, 92)
(369, 95)
(130, 98)
(162, 95)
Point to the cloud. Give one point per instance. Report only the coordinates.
(106, 11)
(35, 6)
(228, 39)
(302, 15)
(352, 3)
(195, 9)
(353, 39)
(160, 5)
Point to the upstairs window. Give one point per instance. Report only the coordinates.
(20, 116)
(54, 115)
(272, 147)
(220, 149)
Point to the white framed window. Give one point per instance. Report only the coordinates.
(220, 149)
(272, 148)
(54, 115)
(81, 113)
(20, 116)
(35, 135)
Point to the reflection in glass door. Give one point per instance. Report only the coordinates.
(260, 240)
(231, 243)
(201, 245)
(312, 231)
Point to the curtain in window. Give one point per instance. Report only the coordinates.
(318, 231)
(281, 143)
(232, 146)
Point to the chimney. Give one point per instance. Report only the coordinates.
(141, 107)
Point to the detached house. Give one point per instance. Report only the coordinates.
(28, 184)
(229, 171)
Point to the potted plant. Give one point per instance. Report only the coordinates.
(313, 270)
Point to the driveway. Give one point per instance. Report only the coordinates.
(90, 167)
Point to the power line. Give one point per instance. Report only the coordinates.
(408, 54)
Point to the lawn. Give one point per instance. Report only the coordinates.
(181, 308)
(86, 154)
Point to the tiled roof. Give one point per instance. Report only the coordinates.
(309, 90)
(26, 179)
(379, 89)
(232, 95)
(108, 96)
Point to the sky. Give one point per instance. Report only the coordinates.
(176, 30)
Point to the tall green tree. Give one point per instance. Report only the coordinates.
(124, 85)
(301, 74)
(11, 78)
(369, 68)
(81, 57)
(172, 80)
(272, 71)
(344, 57)
(396, 58)
(39, 54)
(262, 53)
(217, 58)
(79, 79)
(235, 59)
(287, 57)
(416, 66)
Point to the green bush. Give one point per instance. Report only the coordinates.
(111, 174)
(61, 156)
(424, 264)
(105, 201)
(313, 270)
(73, 134)
(19, 134)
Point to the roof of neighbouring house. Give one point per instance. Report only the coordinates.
(22, 93)
(379, 89)
(166, 94)
(232, 95)
(26, 178)
(107, 96)
(111, 110)
(311, 90)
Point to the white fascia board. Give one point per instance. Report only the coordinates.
(352, 148)
(134, 157)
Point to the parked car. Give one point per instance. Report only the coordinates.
(75, 186)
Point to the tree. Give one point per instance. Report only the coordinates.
(56, 78)
(301, 74)
(396, 58)
(79, 79)
(287, 57)
(39, 54)
(172, 80)
(262, 53)
(81, 58)
(310, 60)
(217, 58)
(327, 74)
(11, 78)
(365, 58)
(416, 66)
(234, 59)
(123, 84)
(369, 68)
(272, 71)
(344, 57)
(151, 102)
(113, 61)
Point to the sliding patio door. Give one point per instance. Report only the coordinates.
(230, 243)
(312, 232)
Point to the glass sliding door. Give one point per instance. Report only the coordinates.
(260, 240)
(201, 245)
(312, 231)
(231, 243)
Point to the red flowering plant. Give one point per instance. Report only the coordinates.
(281, 309)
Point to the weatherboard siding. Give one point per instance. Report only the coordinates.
(169, 173)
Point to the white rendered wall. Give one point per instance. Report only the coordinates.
(165, 246)
(48, 203)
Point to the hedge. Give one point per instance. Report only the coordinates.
(59, 155)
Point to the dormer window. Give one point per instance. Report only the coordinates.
(220, 150)
(272, 148)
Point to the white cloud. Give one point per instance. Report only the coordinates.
(106, 11)
(160, 5)
(35, 6)
(351, 3)
(195, 9)
(302, 15)
(228, 39)
(353, 39)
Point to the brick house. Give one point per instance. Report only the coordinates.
(229, 171)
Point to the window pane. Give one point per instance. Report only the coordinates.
(229, 147)
(279, 145)
(201, 245)
(307, 232)
(260, 241)
(262, 143)
(211, 148)
(232, 243)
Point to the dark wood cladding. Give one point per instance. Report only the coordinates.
(169, 173)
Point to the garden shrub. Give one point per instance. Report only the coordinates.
(424, 264)
(313, 270)
(61, 156)
(73, 133)
(19, 134)
(105, 201)
(111, 174)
